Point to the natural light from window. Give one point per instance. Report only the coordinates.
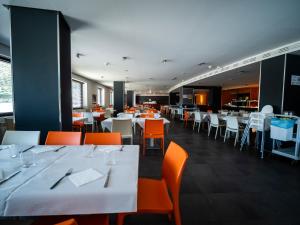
(6, 104)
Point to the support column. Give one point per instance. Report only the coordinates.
(41, 66)
(119, 96)
(130, 98)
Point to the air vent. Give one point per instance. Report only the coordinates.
(201, 64)
(174, 78)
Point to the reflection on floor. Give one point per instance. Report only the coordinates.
(223, 186)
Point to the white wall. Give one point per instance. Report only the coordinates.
(90, 89)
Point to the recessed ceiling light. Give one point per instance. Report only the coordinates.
(165, 61)
(78, 55)
(209, 66)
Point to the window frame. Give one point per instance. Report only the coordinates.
(100, 96)
(81, 93)
(8, 60)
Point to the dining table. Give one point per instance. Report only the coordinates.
(107, 123)
(94, 186)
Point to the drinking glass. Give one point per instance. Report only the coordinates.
(13, 151)
(110, 157)
(27, 159)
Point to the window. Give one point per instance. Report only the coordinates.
(77, 94)
(6, 99)
(100, 95)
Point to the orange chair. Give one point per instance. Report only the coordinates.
(103, 138)
(154, 129)
(147, 115)
(77, 124)
(186, 117)
(63, 138)
(95, 219)
(153, 195)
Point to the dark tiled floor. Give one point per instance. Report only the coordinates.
(223, 186)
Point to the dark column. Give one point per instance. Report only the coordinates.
(130, 96)
(214, 98)
(271, 83)
(41, 66)
(119, 90)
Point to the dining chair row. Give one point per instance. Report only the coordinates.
(61, 138)
(155, 196)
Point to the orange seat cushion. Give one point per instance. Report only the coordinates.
(153, 196)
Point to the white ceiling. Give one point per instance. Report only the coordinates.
(240, 77)
(186, 32)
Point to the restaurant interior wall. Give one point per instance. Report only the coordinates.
(91, 89)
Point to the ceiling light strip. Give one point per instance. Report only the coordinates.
(246, 61)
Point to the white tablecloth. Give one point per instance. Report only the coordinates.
(29, 194)
(106, 124)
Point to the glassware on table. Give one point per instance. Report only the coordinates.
(27, 159)
(110, 157)
(13, 151)
(91, 151)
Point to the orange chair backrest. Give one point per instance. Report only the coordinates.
(103, 138)
(172, 169)
(147, 115)
(67, 222)
(77, 114)
(186, 115)
(63, 138)
(154, 127)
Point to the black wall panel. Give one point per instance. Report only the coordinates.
(292, 92)
(271, 82)
(174, 98)
(162, 100)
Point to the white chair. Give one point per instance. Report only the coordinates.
(89, 121)
(197, 120)
(267, 109)
(108, 113)
(232, 125)
(214, 122)
(21, 137)
(124, 126)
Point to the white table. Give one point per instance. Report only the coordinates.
(106, 124)
(28, 193)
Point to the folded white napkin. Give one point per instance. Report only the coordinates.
(109, 148)
(44, 148)
(84, 177)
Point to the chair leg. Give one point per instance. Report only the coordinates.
(177, 216)
(225, 135)
(216, 133)
(209, 128)
(163, 145)
(120, 218)
(144, 146)
(194, 125)
(199, 127)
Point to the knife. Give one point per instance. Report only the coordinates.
(10, 176)
(56, 150)
(68, 173)
(27, 149)
(107, 178)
